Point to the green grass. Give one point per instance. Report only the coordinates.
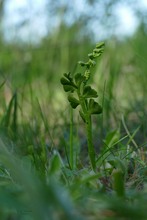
(45, 172)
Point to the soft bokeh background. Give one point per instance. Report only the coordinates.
(44, 165)
(41, 40)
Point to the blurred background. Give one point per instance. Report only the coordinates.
(42, 39)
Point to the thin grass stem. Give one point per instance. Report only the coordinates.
(71, 157)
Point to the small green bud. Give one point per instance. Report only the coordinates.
(97, 55)
(98, 50)
(87, 64)
(87, 74)
(82, 63)
(90, 55)
(100, 45)
(92, 62)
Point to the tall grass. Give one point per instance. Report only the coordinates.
(44, 171)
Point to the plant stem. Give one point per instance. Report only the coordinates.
(71, 139)
(91, 150)
(88, 122)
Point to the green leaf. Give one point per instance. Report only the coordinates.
(11, 113)
(73, 101)
(118, 164)
(94, 107)
(55, 164)
(65, 81)
(68, 88)
(112, 138)
(88, 92)
(79, 78)
(68, 76)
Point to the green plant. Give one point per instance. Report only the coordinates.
(80, 93)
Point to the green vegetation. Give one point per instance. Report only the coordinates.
(59, 163)
(85, 97)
